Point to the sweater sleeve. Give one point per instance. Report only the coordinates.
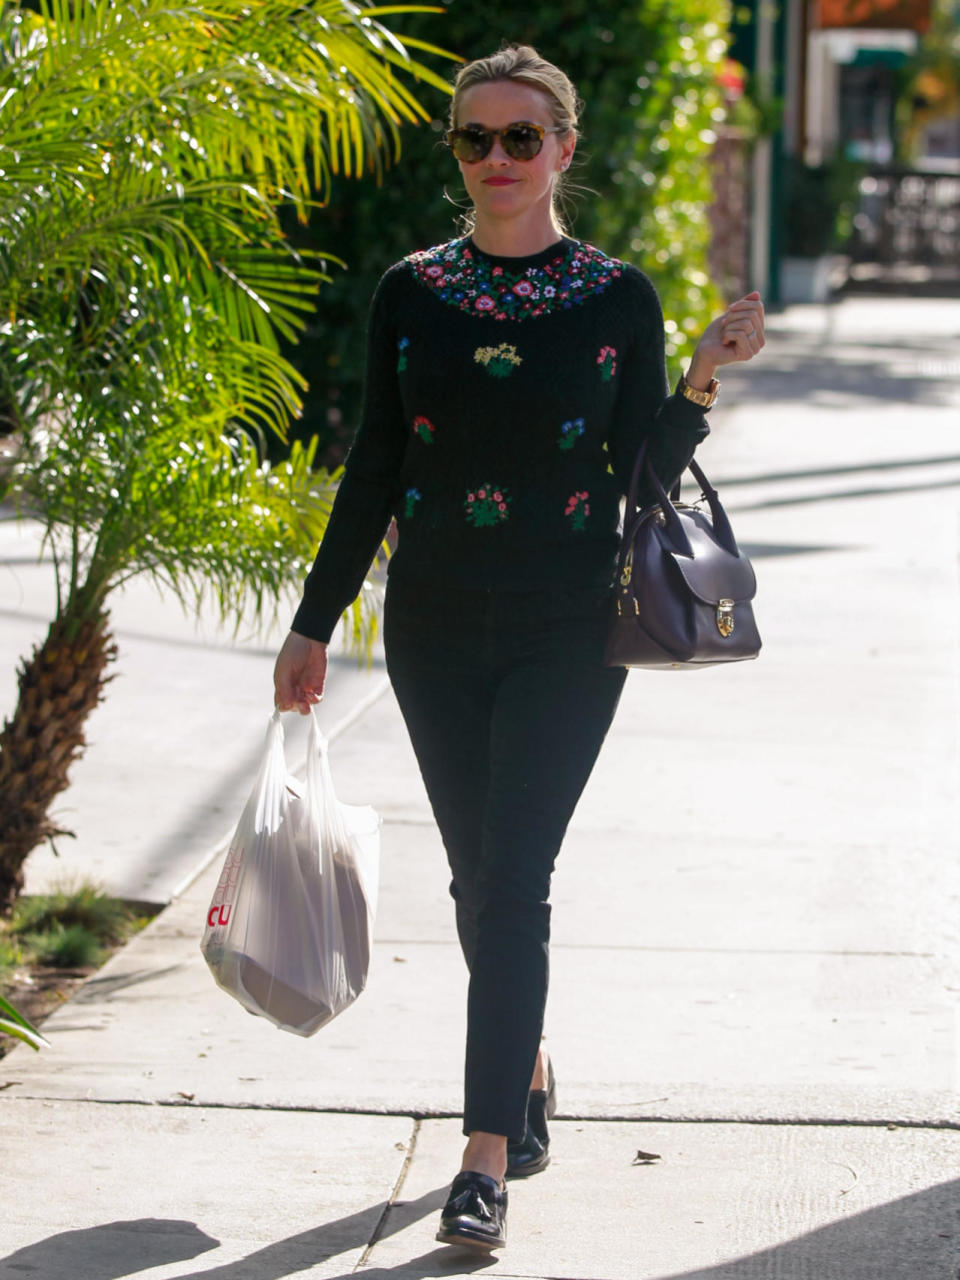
(365, 497)
(645, 409)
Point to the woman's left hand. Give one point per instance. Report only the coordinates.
(735, 336)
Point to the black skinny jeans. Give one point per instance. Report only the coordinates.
(507, 703)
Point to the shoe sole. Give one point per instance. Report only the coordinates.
(470, 1242)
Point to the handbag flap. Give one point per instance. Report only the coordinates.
(712, 574)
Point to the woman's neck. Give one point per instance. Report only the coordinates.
(502, 239)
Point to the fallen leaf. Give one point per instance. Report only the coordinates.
(645, 1157)
(189, 1096)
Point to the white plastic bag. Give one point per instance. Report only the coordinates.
(290, 927)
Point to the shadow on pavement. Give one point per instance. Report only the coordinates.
(115, 1250)
(907, 1239)
(824, 473)
(109, 1251)
(913, 1238)
(843, 495)
(817, 377)
(97, 988)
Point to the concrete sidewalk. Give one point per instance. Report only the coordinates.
(754, 971)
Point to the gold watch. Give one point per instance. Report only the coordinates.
(705, 399)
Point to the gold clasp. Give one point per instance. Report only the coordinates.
(725, 623)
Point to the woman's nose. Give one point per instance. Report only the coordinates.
(497, 153)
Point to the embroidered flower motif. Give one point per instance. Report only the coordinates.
(424, 428)
(607, 360)
(487, 505)
(570, 433)
(471, 283)
(402, 357)
(578, 508)
(500, 361)
(410, 500)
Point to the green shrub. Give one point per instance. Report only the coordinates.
(647, 73)
(107, 919)
(72, 946)
(71, 928)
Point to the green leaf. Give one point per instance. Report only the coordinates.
(13, 1023)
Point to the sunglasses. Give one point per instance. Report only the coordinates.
(521, 140)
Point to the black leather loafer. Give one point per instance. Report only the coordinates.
(532, 1152)
(475, 1214)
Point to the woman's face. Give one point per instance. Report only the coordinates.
(499, 187)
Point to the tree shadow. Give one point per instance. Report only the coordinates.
(850, 468)
(913, 1238)
(113, 1250)
(108, 1251)
(820, 379)
(844, 495)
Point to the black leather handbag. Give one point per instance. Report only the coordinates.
(684, 591)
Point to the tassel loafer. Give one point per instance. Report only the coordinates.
(532, 1152)
(475, 1214)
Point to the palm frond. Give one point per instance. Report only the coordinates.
(13, 1023)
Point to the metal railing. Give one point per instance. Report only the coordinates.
(908, 216)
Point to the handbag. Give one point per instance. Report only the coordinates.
(289, 930)
(684, 589)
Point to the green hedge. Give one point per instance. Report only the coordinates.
(647, 74)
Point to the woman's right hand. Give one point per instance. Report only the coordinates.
(299, 674)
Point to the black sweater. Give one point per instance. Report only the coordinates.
(505, 401)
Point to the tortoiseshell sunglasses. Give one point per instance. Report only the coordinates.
(520, 140)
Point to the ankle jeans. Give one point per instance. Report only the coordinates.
(507, 703)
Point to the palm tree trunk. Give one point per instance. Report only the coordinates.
(59, 685)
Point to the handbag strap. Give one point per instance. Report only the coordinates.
(721, 524)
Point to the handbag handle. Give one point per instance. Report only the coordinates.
(721, 524)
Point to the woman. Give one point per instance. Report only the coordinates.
(511, 377)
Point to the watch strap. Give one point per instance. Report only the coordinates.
(705, 399)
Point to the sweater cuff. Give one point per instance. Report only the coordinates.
(313, 623)
(686, 415)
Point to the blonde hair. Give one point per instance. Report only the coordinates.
(523, 65)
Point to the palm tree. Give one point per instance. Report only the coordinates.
(144, 284)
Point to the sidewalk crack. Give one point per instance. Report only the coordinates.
(379, 1229)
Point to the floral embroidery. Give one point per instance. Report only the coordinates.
(570, 433)
(578, 508)
(465, 279)
(424, 428)
(402, 357)
(487, 505)
(607, 360)
(410, 500)
(500, 361)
